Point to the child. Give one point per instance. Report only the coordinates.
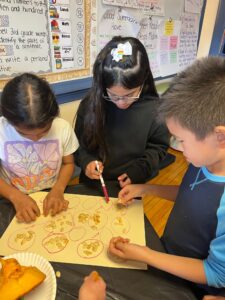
(93, 288)
(194, 239)
(35, 147)
(116, 121)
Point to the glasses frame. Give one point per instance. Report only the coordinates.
(127, 99)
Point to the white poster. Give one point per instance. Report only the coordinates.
(24, 46)
(153, 7)
(114, 22)
(149, 36)
(188, 39)
(193, 6)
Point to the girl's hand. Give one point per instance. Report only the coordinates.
(54, 202)
(26, 208)
(124, 180)
(93, 288)
(121, 248)
(129, 192)
(91, 170)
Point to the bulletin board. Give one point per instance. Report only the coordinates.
(59, 39)
(47, 37)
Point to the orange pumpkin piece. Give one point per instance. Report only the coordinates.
(16, 280)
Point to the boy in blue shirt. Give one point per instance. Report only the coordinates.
(194, 238)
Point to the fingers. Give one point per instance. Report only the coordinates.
(65, 204)
(123, 177)
(123, 193)
(91, 170)
(54, 206)
(125, 203)
(93, 287)
(95, 276)
(129, 193)
(124, 196)
(36, 210)
(27, 215)
(100, 166)
(119, 239)
(124, 181)
(116, 246)
(46, 207)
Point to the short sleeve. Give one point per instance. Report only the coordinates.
(214, 265)
(70, 142)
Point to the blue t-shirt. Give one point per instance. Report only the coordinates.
(196, 226)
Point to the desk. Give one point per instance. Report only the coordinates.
(122, 284)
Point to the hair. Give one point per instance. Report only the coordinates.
(196, 97)
(130, 72)
(27, 100)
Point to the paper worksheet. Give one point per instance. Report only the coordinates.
(79, 235)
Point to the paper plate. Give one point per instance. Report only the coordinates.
(47, 289)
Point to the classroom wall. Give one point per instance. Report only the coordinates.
(68, 110)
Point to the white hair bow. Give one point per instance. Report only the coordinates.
(121, 50)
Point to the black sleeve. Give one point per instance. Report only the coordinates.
(148, 165)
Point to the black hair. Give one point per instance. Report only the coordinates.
(130, 72)
(196, 97)
(27, 100)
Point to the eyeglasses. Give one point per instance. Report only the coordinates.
(127, 99)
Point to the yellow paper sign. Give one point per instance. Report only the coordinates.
(169, 27)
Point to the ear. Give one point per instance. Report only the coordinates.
(220, 135)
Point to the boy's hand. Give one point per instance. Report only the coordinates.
(26, 208)
(129, 192)
(54, 202)
(121, 248)
(124, 180)
(93, 288)
(91, 170)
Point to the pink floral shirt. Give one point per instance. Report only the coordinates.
(33, 166)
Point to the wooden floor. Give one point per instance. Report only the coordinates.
(157, 209)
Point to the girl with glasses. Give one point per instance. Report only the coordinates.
(116, 122)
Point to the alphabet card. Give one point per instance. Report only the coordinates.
(79, 235)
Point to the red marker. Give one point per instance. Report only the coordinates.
(102, 183)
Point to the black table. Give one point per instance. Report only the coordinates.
(151, 284)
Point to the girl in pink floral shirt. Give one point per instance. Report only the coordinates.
(36, 147)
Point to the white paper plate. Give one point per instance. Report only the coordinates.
(47, 289)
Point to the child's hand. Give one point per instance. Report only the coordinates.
(121, 248)
(93, 288)
(129, 192)
(91, 170)
(124, 180)
(26, 208)
(54, 202)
